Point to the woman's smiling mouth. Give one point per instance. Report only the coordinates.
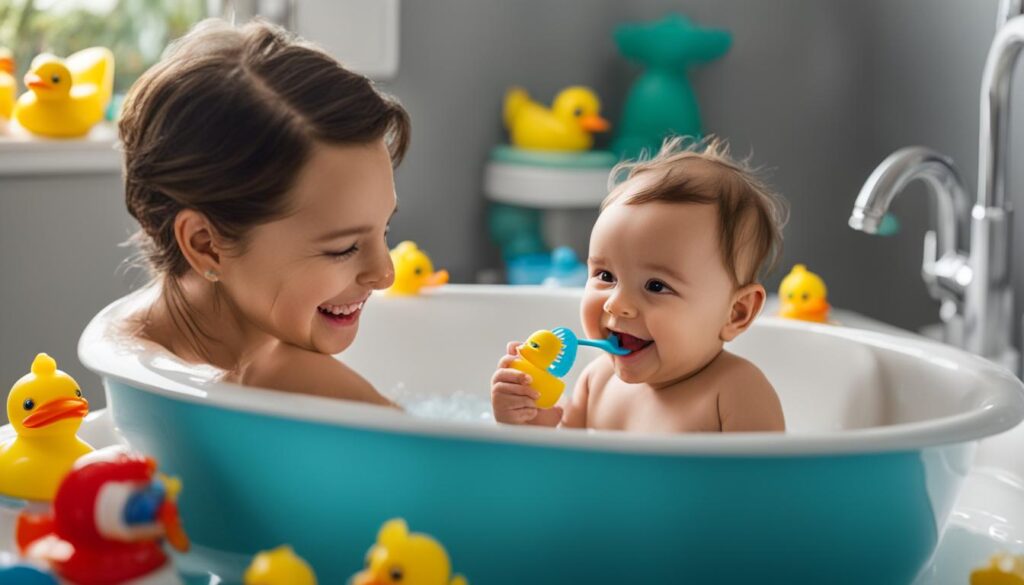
(341, 314)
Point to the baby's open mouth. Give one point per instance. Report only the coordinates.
(631, 342)
(341, 314)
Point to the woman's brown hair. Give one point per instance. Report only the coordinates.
(224, 123)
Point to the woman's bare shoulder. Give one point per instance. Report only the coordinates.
(294, 369)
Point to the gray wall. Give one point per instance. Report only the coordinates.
(819, 91)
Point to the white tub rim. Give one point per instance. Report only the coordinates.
(1002, 410)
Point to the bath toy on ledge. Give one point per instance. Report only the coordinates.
(46, 409)
(413, 270)
(662, 101)
(803, 296)
(403, 558)
(110, 515)
(66, 98)
(8, 85)
(567, 126)
(280, 566)
(1002, 569)
(548, 355)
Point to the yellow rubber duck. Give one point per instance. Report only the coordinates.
(8, 85)
(66, 98)
(1002, 569)
(567, 126)
(280, 566)
(401, 558)
(536, 355)
(45, 408)
(803, 296)
(413, 270)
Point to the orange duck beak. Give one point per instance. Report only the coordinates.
(56, 410)
(436, 279)
(594, 123)
(33, 81)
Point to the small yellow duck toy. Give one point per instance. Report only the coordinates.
(66, 98)
(280, 566)
(536, 355)
(8, 85)
(413, 270)
(45, 408)
(1002, 569)
(803, 296)
(567, 126)
(401, 558)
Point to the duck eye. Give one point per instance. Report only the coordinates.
(55, 78)
(419, 271)
(29, 404)
(395, 573)
(78, 393)
(805, 296)
(577, 112)
(534, 345)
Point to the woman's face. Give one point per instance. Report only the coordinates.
(303, 279)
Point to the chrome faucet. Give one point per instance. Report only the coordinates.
(947, 274)
(976, 290)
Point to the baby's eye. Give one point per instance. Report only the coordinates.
(604, 276)
(656, 286)
(343, 253)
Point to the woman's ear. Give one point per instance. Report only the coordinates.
(197, 241)
(747, 302)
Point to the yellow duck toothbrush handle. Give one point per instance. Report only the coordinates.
(547, 384)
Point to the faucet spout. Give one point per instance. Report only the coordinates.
(895, 173)
(945, 270)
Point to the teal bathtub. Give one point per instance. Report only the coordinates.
(882, 431)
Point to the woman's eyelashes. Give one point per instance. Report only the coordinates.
(343, 253)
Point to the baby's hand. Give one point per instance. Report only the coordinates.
(512, 399)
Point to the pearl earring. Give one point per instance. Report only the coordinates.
(212, 275)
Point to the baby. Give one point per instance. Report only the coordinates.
(260, 172)
(674, 261)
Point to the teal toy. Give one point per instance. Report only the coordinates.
(661, 102)
(516, 230)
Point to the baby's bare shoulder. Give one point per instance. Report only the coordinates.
(746, 399)
(294, 369)
(598, 373)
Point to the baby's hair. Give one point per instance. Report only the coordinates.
(225, 122)
(750, 214)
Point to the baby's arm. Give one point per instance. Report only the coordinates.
(294, 369)
(514, 401)
(748, 403)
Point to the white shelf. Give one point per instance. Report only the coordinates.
(546, 187)
(23, 154)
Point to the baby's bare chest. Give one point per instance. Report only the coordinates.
(639, 408)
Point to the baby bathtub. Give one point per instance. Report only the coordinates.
(882, 431)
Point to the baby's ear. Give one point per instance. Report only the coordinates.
(747, 302)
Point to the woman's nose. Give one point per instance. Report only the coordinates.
(619, 306)
(380, 273)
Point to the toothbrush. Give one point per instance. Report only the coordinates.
(570, 343)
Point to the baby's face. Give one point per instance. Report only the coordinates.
(303, 278)
(657, 279)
